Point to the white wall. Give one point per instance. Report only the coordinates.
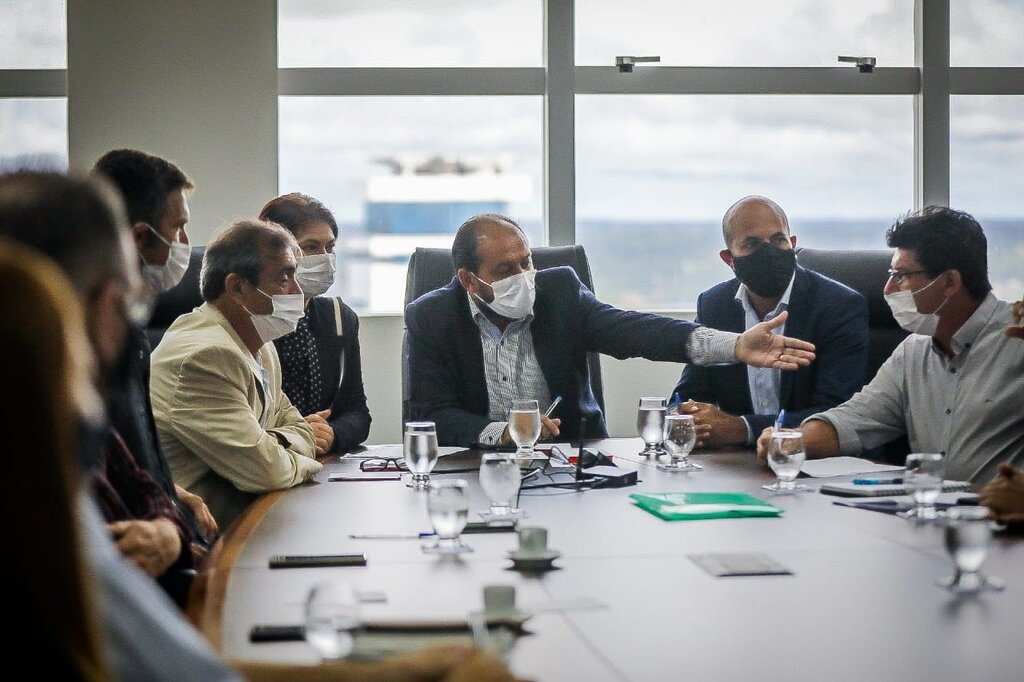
(191, 81)
(196, 82)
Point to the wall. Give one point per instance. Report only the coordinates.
(195, 82)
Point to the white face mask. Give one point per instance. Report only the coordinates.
(513, 296)
(288, 310)
(315, 274)
(904, 309)
(160, 278)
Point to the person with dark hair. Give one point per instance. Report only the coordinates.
(502, 331)
(761, 253)
(228, 430)
(80, 224)
(320, 363)
(954, 385)
(155, 193)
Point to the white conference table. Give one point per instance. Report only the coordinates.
(861, 604)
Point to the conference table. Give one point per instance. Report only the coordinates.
(627, 602)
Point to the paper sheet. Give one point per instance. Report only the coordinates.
(843, 466)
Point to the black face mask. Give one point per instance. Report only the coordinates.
(767, 270)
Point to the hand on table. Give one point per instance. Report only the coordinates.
(705, 417)
(323, 434)
(759, 347)
(1004, 495)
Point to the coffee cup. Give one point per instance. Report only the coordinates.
(499, 599)
(533, 540)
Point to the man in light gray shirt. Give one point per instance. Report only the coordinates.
(955, 385)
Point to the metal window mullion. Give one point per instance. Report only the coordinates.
(701, 80)
(995, 80)
(931, 104)
(413, 82)
(33, 82)
(560, 122)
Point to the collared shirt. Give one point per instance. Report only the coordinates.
(967, 407)
(513, 372)
(765, 383)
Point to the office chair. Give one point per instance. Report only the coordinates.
(431, 269)
(866, 272)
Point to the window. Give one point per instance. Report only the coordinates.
(987, 180)
(986, 33)
(380, 33)
(656, 173)
(745, 32)
(34, 133)
(33, 34)
(402, 172)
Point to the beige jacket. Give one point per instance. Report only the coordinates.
(217, 422)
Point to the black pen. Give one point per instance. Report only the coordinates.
(552, 406)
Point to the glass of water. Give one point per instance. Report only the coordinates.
(650, 425)
(420, 452)
(332, 613)
(680, 435)
(923, 478)
(448, 506)
(967, 535)
(524, 426)
(500, 479)
(785, 456)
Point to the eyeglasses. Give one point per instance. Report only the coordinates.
(383, 464)
(897, 277)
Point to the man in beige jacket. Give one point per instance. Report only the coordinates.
(227, 428)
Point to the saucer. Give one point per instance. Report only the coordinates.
(533, 561)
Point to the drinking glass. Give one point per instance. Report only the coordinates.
(332, 613)
(967, 534)
(524, 426)
(680, 435)
(448, 506)
(500, 479)
(923, 478)
(785, 456)
(650, 425)
(420, 452)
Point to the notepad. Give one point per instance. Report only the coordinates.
(853, 490)
(691, 506)
(843, 466)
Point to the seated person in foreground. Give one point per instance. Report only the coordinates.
(320, 366)
(85, 613)
(501, 331)
(954, 385)
(737, 402)
(227, 428)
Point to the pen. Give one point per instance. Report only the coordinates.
(393, 536)
(877, 481)
(552, 406)
(780, 420)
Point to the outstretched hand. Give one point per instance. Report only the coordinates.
(759, 347)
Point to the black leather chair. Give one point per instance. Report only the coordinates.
(866, 271)
(430, 269)
(182, 299)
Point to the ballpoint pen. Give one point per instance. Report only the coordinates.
(780, 420)
(877, 481)
(552, 406)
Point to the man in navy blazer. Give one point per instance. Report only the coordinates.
(734, 402)
(501, 331)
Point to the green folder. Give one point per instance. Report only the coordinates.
(688, 506)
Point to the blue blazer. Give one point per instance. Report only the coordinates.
(446, 363)
(828, 314)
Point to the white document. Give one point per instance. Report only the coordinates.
(843, 466)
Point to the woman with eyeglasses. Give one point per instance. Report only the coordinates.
(320, 364)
